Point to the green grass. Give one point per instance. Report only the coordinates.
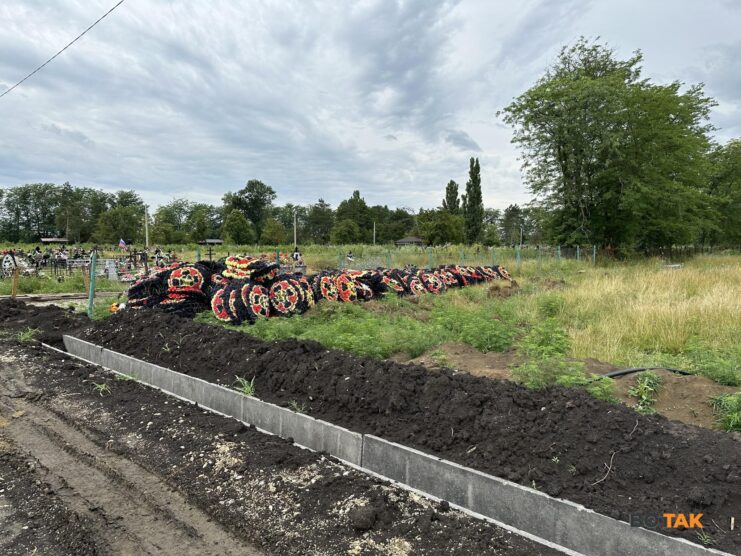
(27, 335)
(728, 409)
(244, 386)
(49, 284)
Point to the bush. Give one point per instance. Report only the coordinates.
(546, 340)
(728, 409)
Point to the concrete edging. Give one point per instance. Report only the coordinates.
(306, 431)
(554, 520)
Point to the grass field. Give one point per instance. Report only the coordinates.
(639, 314)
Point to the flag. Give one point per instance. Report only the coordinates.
(122, 244)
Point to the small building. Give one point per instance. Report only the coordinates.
(53, 240)
(211, 242)
(410, 240)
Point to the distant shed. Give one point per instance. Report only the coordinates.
(52, 240)
(410, 240)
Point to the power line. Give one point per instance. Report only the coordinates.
(78, 37)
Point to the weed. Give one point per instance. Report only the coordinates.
(705, 538)
(555, 459)
(545, 340)
(440, 358)
(647, 385)
(101, 388)
(728, 409)
(245, 387)
(27, 335)
(297, 407)
(571, 469)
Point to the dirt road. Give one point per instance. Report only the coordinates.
(124, 508)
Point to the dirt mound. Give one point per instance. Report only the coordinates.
(558, 440)
(51, 321)
(681, 397)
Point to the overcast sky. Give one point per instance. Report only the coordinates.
(191, 98)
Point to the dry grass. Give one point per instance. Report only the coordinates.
(648, 308)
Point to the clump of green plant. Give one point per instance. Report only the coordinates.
(244, 386)
(540, 373)
(545, 340)
(728, 409)
(101, 388)
(297, 407)
(647, 385)
(551, 305)
(439, 357)
(705, 538)
(27, 335)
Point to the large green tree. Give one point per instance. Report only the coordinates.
(345, 232)
(237, 229)
(616, 159)
(274, 233)
(725, 190)
(319, 222)
(440, 226)
(473, 203)
(255, 200)
(356, 209)
(451, 202)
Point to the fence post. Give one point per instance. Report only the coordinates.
(277, 257)
(91, 293)
(578, 253)
(463, 257)
(493, 257)
(388, 258)
(540, 260)
(558, 254)
(14, 283)
(518, 256)
(594, 254)
(339, 260)
(429, 252)
(198, 254)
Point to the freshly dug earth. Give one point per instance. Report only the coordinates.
(562, 441)
(33, 518)
(49, 322)
(256, 487)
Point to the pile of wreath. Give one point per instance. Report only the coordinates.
(244, 289)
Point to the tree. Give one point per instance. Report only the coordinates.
(345, 232)
(604, 150)
(121, 222)
(440, 226)
(255, 200)
(510, 225)
(492, 218)
(319, 222)
(473, 203)
(203, 222)
(237, 229)
(451, 203)
(725, 190)
(273, 233)
(357, 210)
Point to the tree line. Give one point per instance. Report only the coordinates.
(611, 159)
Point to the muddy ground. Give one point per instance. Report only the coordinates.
(562, 441)
(124, 469)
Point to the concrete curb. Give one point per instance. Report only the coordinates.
(306, 431)
(553, 520)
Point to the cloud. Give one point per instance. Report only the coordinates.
(317, 99)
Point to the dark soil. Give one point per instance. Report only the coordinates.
(33, 519)
(261, 488)
(559, 440)
(49, 321)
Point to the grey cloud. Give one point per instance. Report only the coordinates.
(462, 140)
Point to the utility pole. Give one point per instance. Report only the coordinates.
(146, 226)
(295, 243)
